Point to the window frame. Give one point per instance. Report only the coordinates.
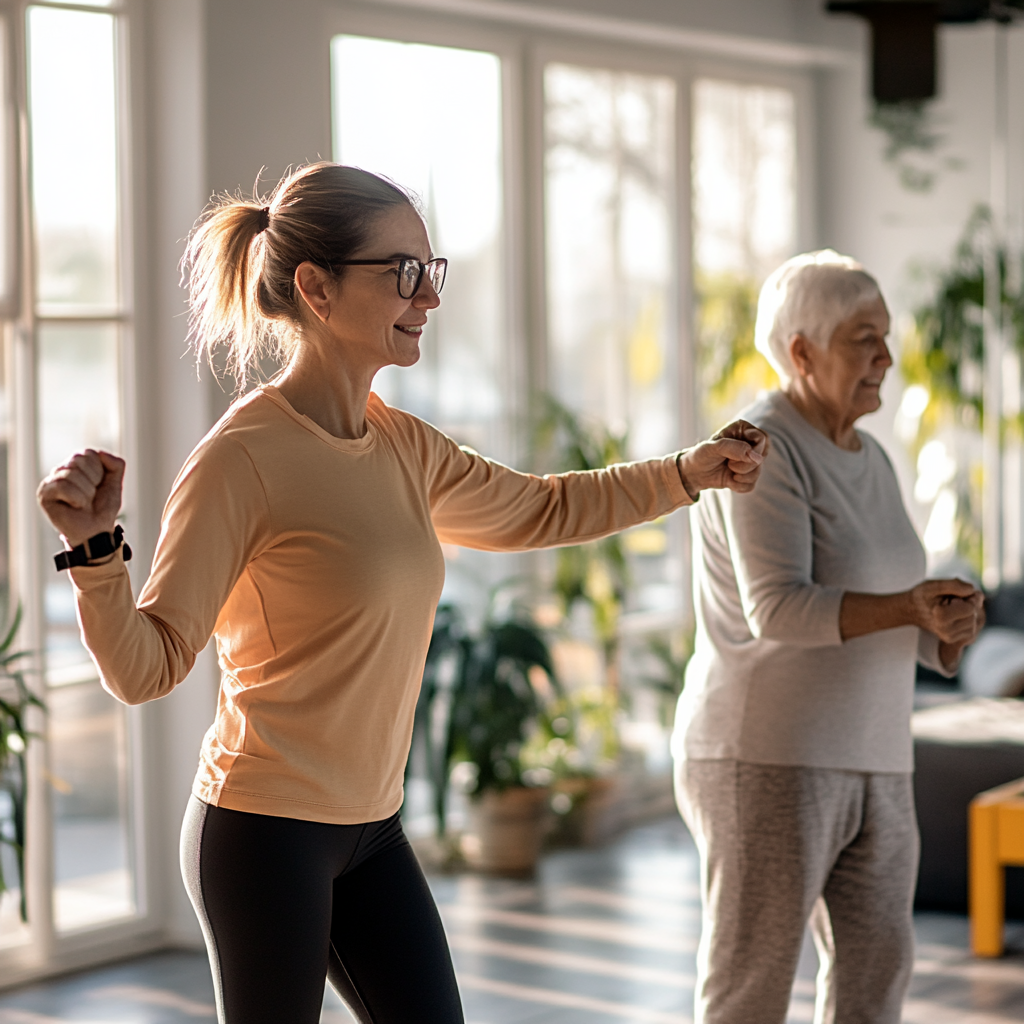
(46, 950)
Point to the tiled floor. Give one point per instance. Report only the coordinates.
(599, 936)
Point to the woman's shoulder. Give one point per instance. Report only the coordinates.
(773, 413)
(229, 442)
(405, 429)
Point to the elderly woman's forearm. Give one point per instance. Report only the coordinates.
(861, 614)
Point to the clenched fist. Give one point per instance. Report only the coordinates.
(732, 459)
(951, 609)
(83, 496)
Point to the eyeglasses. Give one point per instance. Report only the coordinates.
(410, 273)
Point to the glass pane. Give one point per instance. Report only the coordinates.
(73, 118)
(609, 186)
(8, 179)
(449, 154)
(609, 177)
(744, 223)
(11, 929)
(78, 374)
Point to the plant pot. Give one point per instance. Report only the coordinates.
(586, 822)
(507, 829)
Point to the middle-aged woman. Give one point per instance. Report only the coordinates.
(303, 532)
(792, 741)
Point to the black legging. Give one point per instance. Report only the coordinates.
(285, 903)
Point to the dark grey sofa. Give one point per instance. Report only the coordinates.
(961, 748)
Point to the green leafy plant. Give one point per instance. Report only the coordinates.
(15, 701)
(670, 654)
(482, 692)
(944, 352)
(596, 573)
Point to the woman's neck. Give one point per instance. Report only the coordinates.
(332, 394)
(837, 428)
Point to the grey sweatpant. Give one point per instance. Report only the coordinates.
(782, 846)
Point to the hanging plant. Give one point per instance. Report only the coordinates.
(909, 128)
(15, 701)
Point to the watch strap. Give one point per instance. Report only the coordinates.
(98, 546)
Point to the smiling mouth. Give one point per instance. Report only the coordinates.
(413, 330)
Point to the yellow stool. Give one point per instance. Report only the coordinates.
(996, 841)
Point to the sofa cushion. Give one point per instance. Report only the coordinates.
(993, 665)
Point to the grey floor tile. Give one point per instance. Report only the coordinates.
(597, 937)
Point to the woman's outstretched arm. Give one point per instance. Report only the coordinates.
(481, 504)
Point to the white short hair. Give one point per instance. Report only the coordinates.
(810, 294)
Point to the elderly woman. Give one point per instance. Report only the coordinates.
(792, 740)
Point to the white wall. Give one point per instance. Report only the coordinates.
(865, 212)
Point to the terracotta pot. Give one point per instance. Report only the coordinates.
(507, 829)
(587, 820)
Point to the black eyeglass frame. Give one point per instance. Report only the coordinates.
(438, 261)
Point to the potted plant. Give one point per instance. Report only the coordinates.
(15, 701)
(572, 749)
(482, 694)
(596, 573)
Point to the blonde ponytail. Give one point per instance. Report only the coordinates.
(241, 259)
(223, 262)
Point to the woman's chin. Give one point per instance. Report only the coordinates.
(869, 402)
(408, 358)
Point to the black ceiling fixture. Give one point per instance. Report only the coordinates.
(903, 39)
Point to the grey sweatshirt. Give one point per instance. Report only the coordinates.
(770, 680)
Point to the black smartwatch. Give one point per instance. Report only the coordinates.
(99, 546)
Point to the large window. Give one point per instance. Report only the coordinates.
(70, 340)
(448, 152)
(744, 226)
(611, 245)
(609, 219)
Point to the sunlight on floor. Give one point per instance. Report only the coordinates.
(598, 935)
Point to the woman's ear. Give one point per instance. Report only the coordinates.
(801, 354)
(313, 284)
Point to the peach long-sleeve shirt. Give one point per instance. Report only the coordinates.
(316, 563)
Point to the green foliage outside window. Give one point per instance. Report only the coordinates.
(730, 370)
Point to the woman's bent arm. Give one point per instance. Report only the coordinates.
(951, 610)
(215, 519)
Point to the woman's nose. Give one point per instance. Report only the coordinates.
(426, 297)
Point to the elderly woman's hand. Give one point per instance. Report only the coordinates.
(954, 611)
(732, 459)
(951, 609)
